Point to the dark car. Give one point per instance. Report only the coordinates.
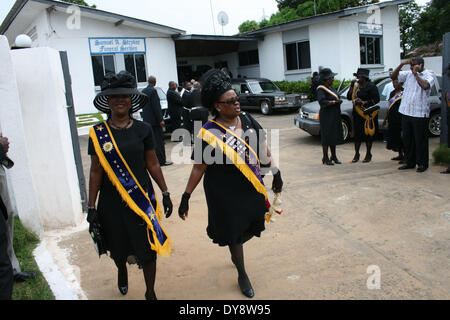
(308, 117)
(262, 94)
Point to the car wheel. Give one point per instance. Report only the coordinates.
(265, 107)
(345, 129)
(434, 124)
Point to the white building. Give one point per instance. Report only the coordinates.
(97, 41)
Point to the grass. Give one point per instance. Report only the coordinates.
(24, 243)
(441, 155)
(88, 119)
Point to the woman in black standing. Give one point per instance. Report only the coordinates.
(364, 94)
(394, 122)
(236, 203)
(125, 233)
(331, 133)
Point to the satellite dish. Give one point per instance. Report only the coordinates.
(222, 17)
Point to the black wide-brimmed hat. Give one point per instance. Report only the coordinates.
(118, 84)
(326, 74)
(362, 73)
(214, 83)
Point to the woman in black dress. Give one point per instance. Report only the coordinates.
(331, 132)
(235, 208)
(394, 122)
(364, 94)
(124, 232)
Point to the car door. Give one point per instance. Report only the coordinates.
(384, 104)
(244, 95)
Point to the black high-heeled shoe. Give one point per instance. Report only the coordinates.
(150, 296)
(367, 158)
(336, 160)
(327, 161)
(122, 281)
(245, 289)
(356, 158)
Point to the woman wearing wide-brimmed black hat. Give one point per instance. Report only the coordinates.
(331, 133)
(234, 190)
(364, 94)
(122, 156)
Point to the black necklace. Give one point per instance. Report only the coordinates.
(118, 127)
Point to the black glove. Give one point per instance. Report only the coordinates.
(167, 204)
(92, 215)
(184, 205)
(277, 183)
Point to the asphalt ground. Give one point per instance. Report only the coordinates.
(348, 231)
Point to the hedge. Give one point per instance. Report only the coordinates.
(303, 86)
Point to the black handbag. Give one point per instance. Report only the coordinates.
(96, 235)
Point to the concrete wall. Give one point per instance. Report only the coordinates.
(23, 187)
(41, 132)
(271, 57)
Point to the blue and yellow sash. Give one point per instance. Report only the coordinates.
(237, 150)
(369, 124)
(119, 173)
(394, 99)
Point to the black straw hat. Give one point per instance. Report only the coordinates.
(118, 84)
(362, 73)
(326, 74)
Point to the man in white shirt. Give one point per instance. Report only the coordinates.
(415, 110)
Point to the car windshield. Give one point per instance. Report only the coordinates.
(161, 93)
(263, 86)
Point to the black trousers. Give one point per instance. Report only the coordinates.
(160, 149)
(187, 122)
(6, 270)
(415, 140)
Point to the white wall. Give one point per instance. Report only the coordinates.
(47, 132)
(23, 187)
(162, 61)
(271, 57)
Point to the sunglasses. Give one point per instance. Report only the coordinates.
(230, 101)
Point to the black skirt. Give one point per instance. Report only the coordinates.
(394, 141)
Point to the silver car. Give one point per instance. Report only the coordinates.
(308, 117)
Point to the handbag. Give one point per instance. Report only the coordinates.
(371, 109)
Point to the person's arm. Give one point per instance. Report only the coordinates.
(394, 75)
(4, 146)
(95, 180)
(153, 167)
(424, 84)
(197, 173)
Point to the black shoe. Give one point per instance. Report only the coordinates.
(150, 296)
(246, 288)
(421, 168)
(24, 276)
(397, 158)
(167, 163)
(367, 158)
(336, 160)
(446, 171)
(406, 166)
(122, 281)
(327, 161)
(356, 158)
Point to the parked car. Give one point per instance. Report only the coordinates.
(262, 94)
(164, 108)
(308, 117)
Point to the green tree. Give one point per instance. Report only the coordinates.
(408, 15)
(248, 26)
(434, 21)
(80, 3)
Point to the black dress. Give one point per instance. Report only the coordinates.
(370, 94)
(331, 132)
(394, 141)
(124, 231)
(235, 208)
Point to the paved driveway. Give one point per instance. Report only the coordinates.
(338, 223)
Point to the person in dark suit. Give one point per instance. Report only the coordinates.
(330, 116)
(186, 101)
(152, 114)
(6, 270)
(174, 104)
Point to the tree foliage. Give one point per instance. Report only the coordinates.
(290, 10)
(80, 3)
(421, 26)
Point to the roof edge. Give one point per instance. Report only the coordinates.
(18, 6)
